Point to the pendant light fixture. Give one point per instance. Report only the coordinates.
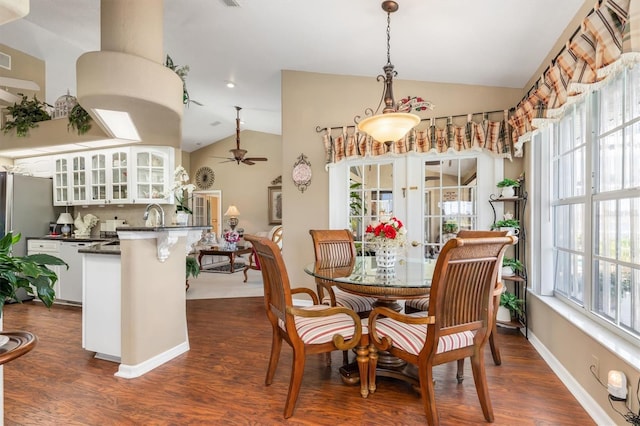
(395, 121)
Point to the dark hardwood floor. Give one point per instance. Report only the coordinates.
(220, 381)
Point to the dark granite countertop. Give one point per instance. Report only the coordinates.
(107, 247)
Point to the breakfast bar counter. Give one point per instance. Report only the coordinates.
(134, 304)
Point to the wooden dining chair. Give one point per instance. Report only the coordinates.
(458, 321)
(422, 304)
(312, 329)
(254, 263)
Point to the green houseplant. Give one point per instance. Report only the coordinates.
(26, 272)
(510, 266)
(450, 228)
(192, 269)
(506, 223)
(504, 183)
(26, 114)
(511, 302)
(79, 120)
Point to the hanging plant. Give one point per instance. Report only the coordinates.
(182, 71)
(26, 114)
(79, 119)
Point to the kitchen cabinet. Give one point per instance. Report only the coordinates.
(127, 175)
(109, 173)
(68, 288)
(101, 324)
(153, 170)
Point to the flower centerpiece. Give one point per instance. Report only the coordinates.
(386, 236)
(231, 238)
(182, 191)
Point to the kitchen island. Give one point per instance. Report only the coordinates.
(134, 302)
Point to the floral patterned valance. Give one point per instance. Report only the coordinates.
(488, 135)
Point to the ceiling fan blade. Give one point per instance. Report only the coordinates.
(248, 162)
(256, 159)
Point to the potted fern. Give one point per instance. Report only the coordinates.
(26, 272)
(510, 266)
(26, 114)
(79, 120)
(508, 186)
(510, 306)
(192, 269)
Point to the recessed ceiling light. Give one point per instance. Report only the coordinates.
(230, 84)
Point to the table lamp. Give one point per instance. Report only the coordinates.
(65, 219)
(233, 214)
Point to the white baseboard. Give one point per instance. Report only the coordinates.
(588, 403)
(133, 371)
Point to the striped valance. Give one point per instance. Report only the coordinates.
(606, 41)
(435, 137)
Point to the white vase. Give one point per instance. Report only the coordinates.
(507, 271)
(508, 192)
(504, 314)
(386, 257)
(182, 218)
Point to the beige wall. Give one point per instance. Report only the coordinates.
(25, 67)
(310, 100)
(243, 185)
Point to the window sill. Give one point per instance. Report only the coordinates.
(624, 349)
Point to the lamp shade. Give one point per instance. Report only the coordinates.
(388, 127)
(232, 211)
(65, 219)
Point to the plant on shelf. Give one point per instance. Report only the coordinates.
(504, 183)
(26, 114)
(511, 302)
(26, 272)
(79, 120)
(182, 71)
(510, 266)
(506, 223)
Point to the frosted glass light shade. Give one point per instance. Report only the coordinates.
(389, 127)
(232, 211)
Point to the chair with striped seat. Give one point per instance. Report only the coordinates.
(312, 329)
(335, 248)
(422, 304)
(458, 321)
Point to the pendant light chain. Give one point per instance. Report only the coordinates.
(388, 38)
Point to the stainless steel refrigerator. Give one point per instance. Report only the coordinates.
(26, 207)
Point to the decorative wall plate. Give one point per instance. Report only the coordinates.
(301, 173)
(205, 177)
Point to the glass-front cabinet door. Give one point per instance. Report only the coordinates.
(79, 191)
(61, 181)
(153, 169)
(98, 185)
(119, 183)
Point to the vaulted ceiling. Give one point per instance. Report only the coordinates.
(488, 42)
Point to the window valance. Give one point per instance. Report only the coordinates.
(607, 40)
(489, 135)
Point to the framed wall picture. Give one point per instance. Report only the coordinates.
(275, 205)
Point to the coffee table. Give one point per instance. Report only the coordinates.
(220, 251)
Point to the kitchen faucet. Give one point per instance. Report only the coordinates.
(157, 207)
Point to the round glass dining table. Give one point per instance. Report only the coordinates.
(409, 279)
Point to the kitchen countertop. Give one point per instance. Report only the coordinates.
(106, 247)
(161, 228)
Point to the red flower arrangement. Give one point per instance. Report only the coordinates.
(387, 232)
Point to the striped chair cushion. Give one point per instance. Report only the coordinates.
(316, 330)
(411, 337)
(351, 301)
(421, 304)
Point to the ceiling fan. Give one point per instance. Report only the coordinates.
(15, 83)
(239, 154)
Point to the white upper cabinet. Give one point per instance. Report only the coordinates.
(113, 176)
(152, 174)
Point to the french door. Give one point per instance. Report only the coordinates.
(434, 196)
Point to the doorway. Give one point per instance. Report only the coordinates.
(207, 209)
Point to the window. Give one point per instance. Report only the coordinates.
(596, 203)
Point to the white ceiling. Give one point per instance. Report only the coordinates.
(488, 42)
